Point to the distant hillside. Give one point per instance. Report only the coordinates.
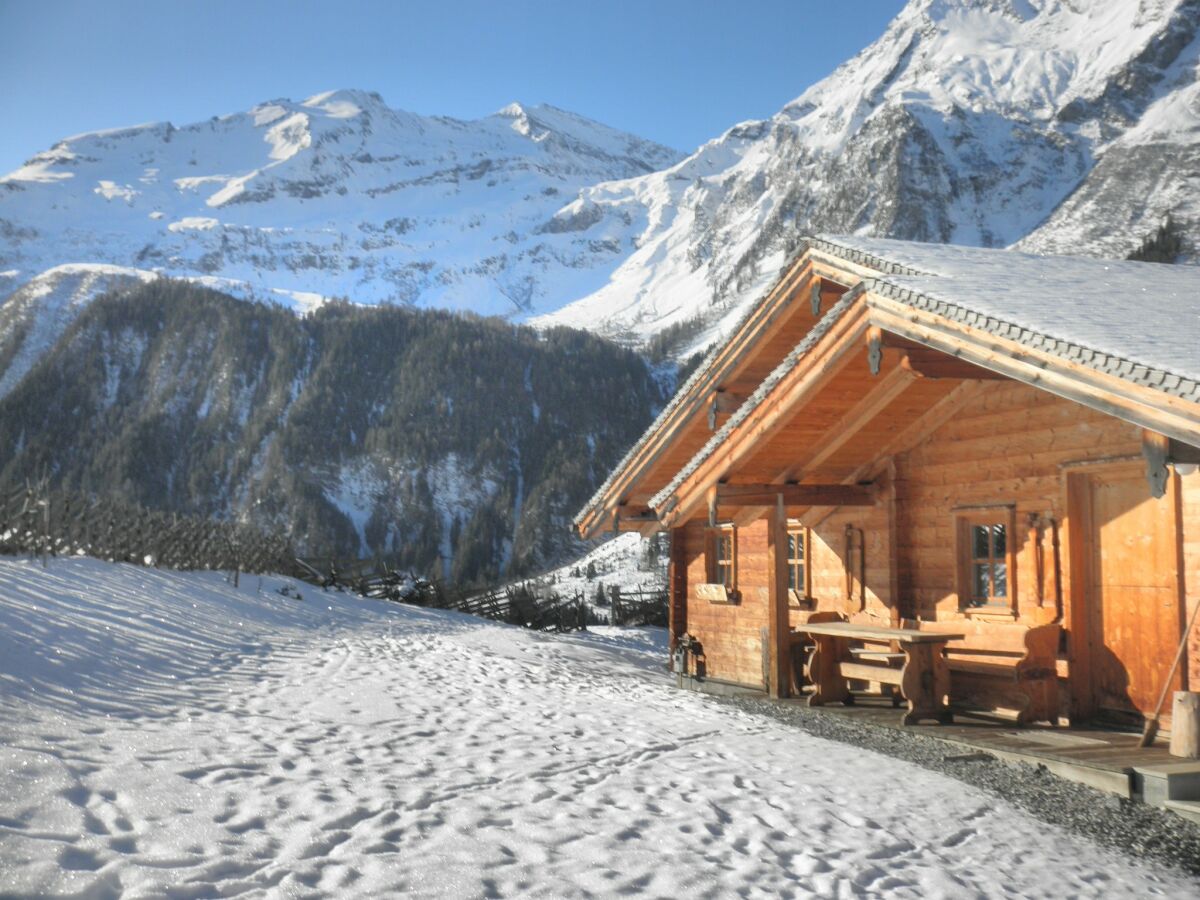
(457, 445)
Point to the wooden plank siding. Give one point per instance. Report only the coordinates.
(1008, 447)
(1189, 492)
(731, 634)
(1011, 445)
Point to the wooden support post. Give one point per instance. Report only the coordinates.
(677, 587)
(1185, 725)
(778, 638)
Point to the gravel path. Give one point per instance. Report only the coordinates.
(1135, 828)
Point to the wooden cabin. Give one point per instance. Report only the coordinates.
(946, 437)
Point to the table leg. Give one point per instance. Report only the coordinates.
(925, 683)
(823, 671)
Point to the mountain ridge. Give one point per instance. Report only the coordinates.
(1049, 125)
(334, 195)
(982, 122)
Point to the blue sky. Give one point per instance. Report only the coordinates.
(673, 71)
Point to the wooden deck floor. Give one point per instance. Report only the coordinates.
(1103, 758)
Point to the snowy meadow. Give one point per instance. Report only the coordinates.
(169, 735)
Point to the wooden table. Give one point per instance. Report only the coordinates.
(924, 680)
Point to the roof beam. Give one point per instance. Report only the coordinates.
(793, 495)
(888, 389)
(724, 403)
(928, 363)
(921, 360)
(1142, 406)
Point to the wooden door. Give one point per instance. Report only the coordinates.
(1131, 604)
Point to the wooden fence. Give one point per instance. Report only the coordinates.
(516, 605)
(641, 607)
(44, 522)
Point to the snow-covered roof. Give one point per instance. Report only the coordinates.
(1138, 321)
(1135, 320)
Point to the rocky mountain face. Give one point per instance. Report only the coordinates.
(338, 195)
(453, 445)
(1057, 126)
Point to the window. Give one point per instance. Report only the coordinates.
(797, 563)
(720, 564)
(724, 558)
(986, 560)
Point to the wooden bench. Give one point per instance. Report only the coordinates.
(923, 680)
(1003, 665)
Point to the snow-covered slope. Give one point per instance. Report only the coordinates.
(1058, 125)
(165, 734)
(969, 121)
(337, 195)
(628, 562)
(36, 314)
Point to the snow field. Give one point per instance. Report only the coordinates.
(165, 734)
(616, 563)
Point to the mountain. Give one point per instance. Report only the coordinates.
(1064, 126)
(460, 445)
(454, 445)
(1052, 125)
(337, 195)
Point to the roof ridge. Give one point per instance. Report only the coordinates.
(851, 254)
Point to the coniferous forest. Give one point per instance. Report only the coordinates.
(455, 445)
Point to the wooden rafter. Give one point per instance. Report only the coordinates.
(723, 404)
(794, 495)
(928, 363)
(821, 368)
(923, 361)
(886, 391)
(1143, 406)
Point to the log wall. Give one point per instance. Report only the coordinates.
(731, 634)
(1011, 446)
(1008, 447)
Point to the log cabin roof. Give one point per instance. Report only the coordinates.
(1136, 322)
(1139, 321)
(763, 335)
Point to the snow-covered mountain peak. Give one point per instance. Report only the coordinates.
(980, 122)
(346, 103)
(333, 195)
(1066, 125)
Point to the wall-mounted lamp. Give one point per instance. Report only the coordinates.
(1185, 468)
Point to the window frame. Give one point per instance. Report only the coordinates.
(799, 567)
(712, 590)
(714, 560)
(966, 520)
